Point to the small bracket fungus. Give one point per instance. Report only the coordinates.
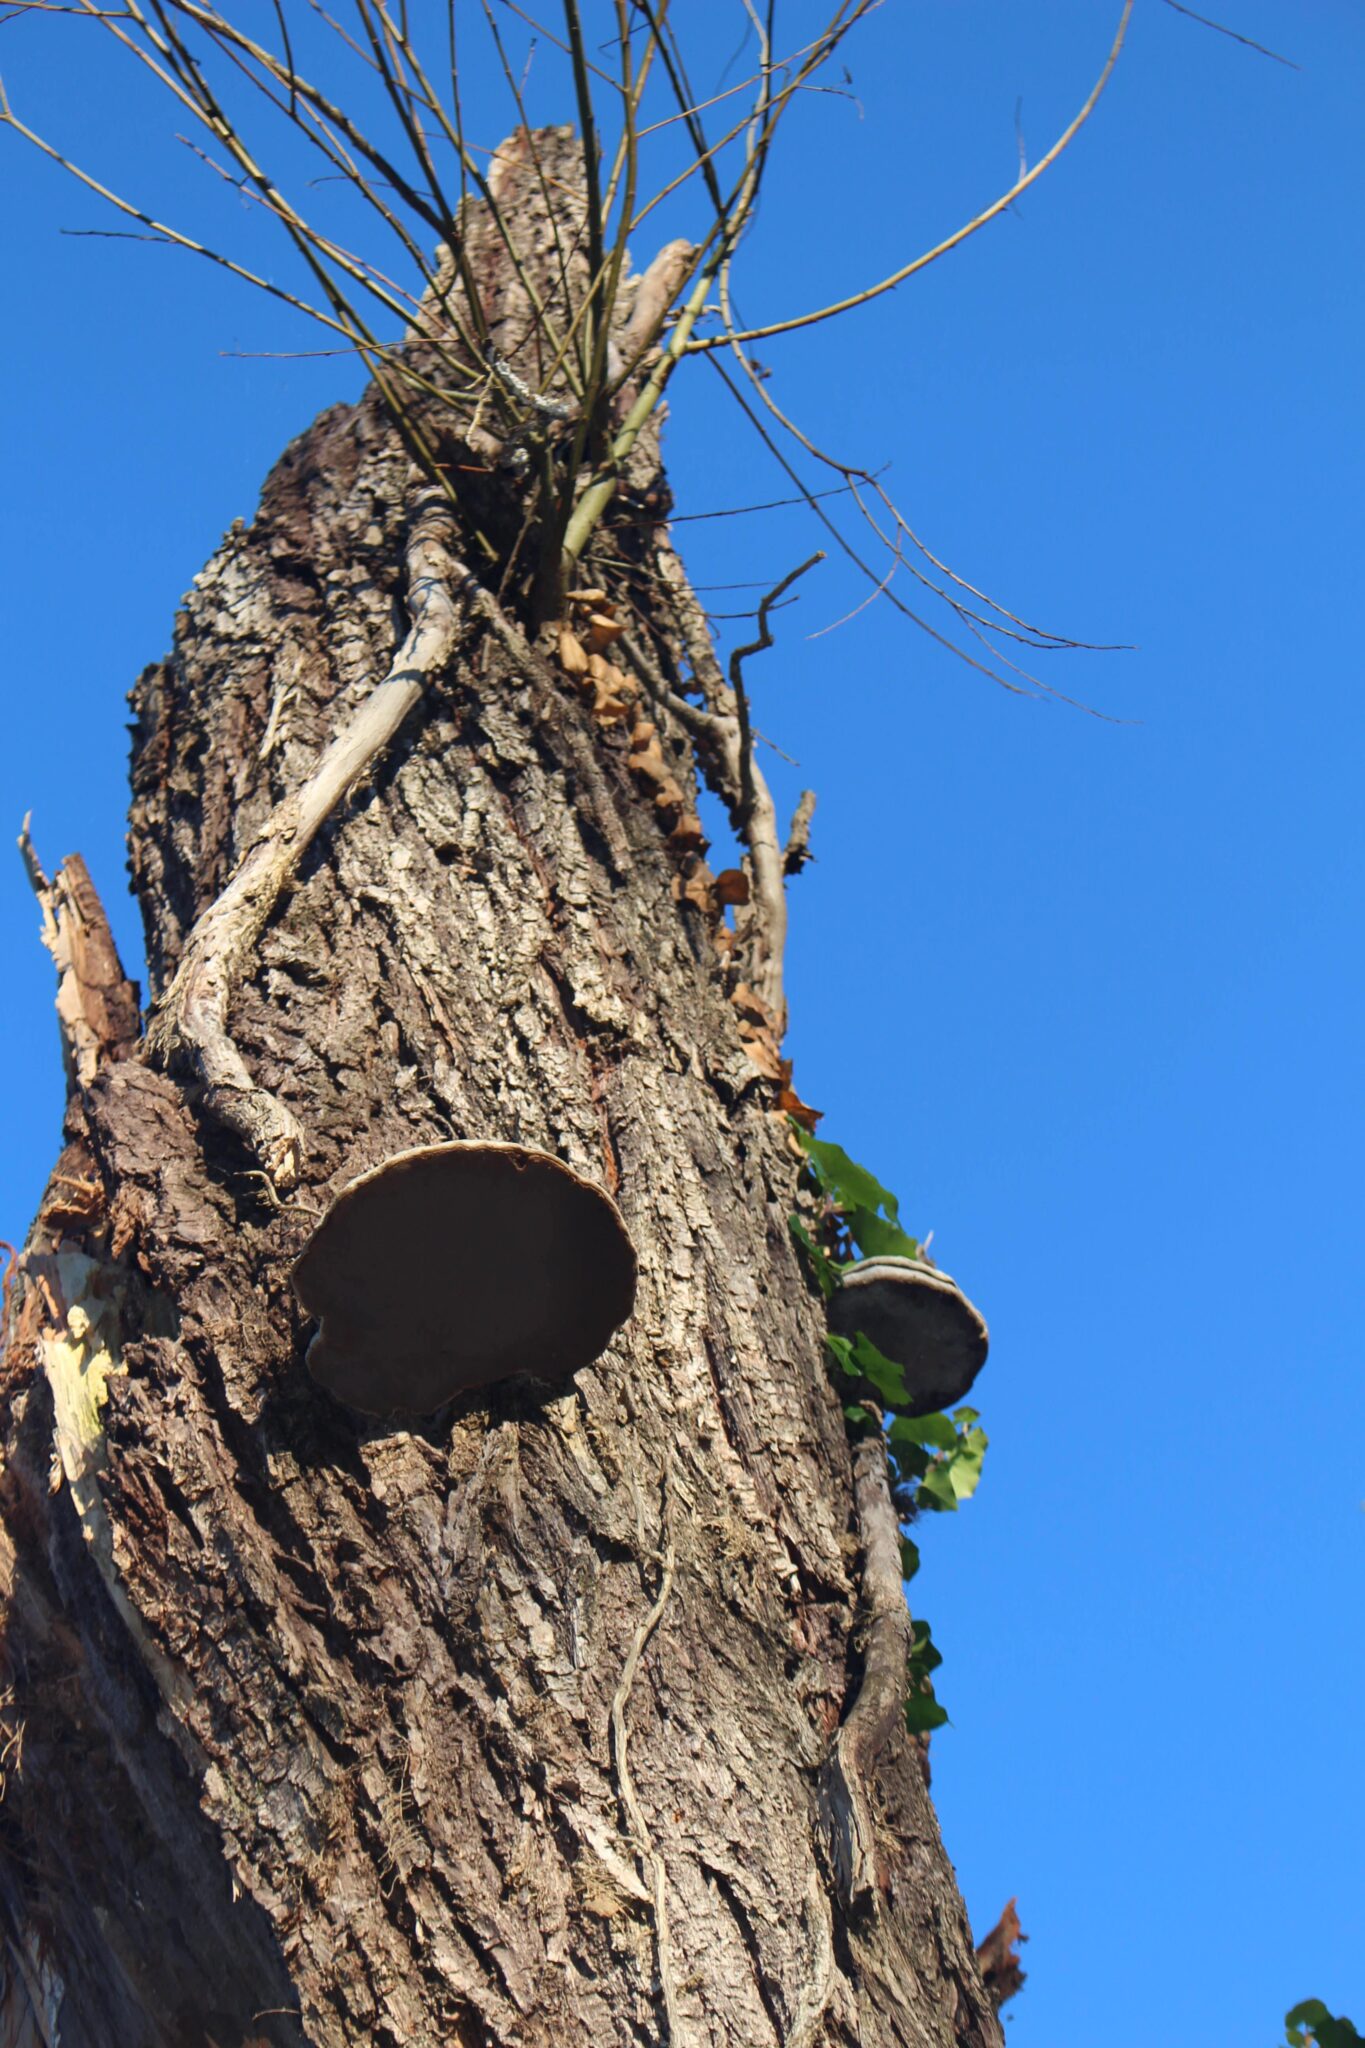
(453, 1266)
(920, 1319)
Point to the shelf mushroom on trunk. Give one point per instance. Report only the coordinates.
(451, 1267)
(919, 1318)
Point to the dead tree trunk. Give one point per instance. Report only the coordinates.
(559, 1717)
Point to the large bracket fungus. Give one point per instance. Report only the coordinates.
(454, 1266)
(919, 1318)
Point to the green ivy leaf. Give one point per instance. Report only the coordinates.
(934, 1430)
(840, 1350)
(1311, 2022)
(923, 1713)
(885, 1375)
(936, 1491)
(922, 1710)
(967, 1462)
(821, 1265)
(936, 1458)
(912, 1462)
(847, 1183)
(954, 1474)
(924, 1658)
(878, 1239)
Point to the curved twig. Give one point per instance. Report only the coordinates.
(737, 661)
(952, 241)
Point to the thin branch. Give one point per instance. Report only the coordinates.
(587, 124)
(159, 230)
(737, 661)
(551, 211)
(1246, 41)
(952, 241)
(768, 505)
(705, 268)
(842, 541)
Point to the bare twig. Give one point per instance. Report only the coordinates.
(797, 851)
(726, 752)
(1246, 41)
(737, 661)
(952, 241)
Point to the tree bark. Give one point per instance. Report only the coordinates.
(567, 1715)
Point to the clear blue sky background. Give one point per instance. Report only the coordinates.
(1087, 994)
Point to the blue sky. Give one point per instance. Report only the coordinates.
(1086, 993)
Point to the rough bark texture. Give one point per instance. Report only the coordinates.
(511, 1727)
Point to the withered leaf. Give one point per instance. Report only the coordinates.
(807, 1117)
(573, 658)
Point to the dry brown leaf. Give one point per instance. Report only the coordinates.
(598, 599)
(697, 891)
(762, 1054)
(607, 708)
(687, 835)
(603, 630)
(648, 763)
(613, 693)
(752, 1007)
(573, 657)
(1002, 1972)
(807, 1117)
(732, 886)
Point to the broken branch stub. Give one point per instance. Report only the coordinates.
(454, 1266)
(919, 1318)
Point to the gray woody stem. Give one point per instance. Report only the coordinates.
(724, 728)
(737, 661)
(845, 1804)
(189, 1031)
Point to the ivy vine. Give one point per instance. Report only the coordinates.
(1310, 2025)
(935, 1460)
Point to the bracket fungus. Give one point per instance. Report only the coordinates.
(454, 1266)
(920, 1319)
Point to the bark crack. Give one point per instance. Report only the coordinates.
(744, 1926)
(649, 1855)
(819, 1987)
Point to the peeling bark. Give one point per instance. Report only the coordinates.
(522, 1724)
